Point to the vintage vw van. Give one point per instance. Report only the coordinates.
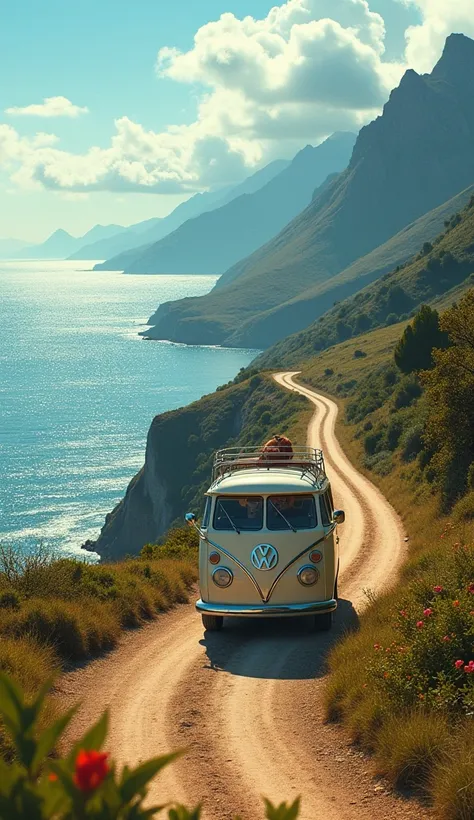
(268, 543)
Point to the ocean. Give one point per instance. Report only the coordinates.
(79, 388)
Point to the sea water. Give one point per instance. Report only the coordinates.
(79, 388)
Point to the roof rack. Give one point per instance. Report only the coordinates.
(233, 459)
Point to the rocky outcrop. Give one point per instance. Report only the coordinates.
(413, 158)
(179, 452)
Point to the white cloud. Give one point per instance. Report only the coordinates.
(265, 88)
(439, 19)
(50, 107)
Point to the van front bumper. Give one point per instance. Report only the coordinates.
(267, 610)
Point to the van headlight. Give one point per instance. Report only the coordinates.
(308, 576)
(222, 577)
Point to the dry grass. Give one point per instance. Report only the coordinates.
(53, 612)
(419, 729)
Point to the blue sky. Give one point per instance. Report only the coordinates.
(246, 92)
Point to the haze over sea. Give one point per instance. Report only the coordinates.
(79, 388)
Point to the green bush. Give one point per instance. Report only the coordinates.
(84, 785)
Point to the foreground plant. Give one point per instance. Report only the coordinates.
(86, 783)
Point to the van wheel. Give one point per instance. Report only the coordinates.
(323, 623)
(213, 623)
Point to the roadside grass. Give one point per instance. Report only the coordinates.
(394, 683)
(54, 612)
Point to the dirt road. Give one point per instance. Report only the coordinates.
(247, 702)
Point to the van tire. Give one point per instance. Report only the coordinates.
(212, 623)
(323, 622)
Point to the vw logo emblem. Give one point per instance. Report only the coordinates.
(264, 557)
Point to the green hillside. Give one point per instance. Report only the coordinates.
(399, 170)
(439, 267)
(213, 241)
(179, 453)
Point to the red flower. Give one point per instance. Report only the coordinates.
(427, 612)
(377, 646)
(469, 668)
(455, 603)
(459, 664)
(403, 613)
(420, 624)
(446, 639)
(91, 769)
(437, 589)
(471, 589)
(52, 777)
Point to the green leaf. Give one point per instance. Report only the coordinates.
(49, 738)
(93, 739)
(283, 811)
(134, 781)
(11, 703)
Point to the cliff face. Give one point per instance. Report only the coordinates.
(413, 158)
(178, 459)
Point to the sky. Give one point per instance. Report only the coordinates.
(114, 112)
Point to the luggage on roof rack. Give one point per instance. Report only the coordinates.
(233, 459)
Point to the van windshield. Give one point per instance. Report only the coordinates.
(297, 512)
(238, 513)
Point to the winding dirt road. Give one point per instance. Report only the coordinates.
(247, 702)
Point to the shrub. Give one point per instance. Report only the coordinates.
(359, 354)
(329, 371)
(408, 391)
(412, 442)
(415, 348)
(391, 319)
(410, 747)
(85, 784)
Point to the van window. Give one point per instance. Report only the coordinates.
(238, 513)
(207, 513)
(326, 512)
(291, 512)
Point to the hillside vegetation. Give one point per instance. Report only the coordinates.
(399, 170)
(441, 268)
(410, 696)
(53, 612)
(179, 453)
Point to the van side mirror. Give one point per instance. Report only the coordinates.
(339, 516)
(190, 519)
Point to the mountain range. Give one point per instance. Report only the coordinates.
(216, 239)
(137, 238)
(413, 158)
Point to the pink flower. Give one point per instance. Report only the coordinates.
(469, 668)
(471, 589)
(377, 646)
(459, 664)
(403, 613)
(420, 624)
(427, 612)
(446, 639)
(437, 589)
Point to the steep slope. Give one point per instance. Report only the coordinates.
(122, 239)
(217, 239)
(438, 275)
(61, 244)
(179, 450)
(121, 250)
(414, 157)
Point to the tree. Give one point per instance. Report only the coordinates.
(414, 351)
(450, 406)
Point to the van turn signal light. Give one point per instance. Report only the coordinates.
(214, 558)
(315, 556)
